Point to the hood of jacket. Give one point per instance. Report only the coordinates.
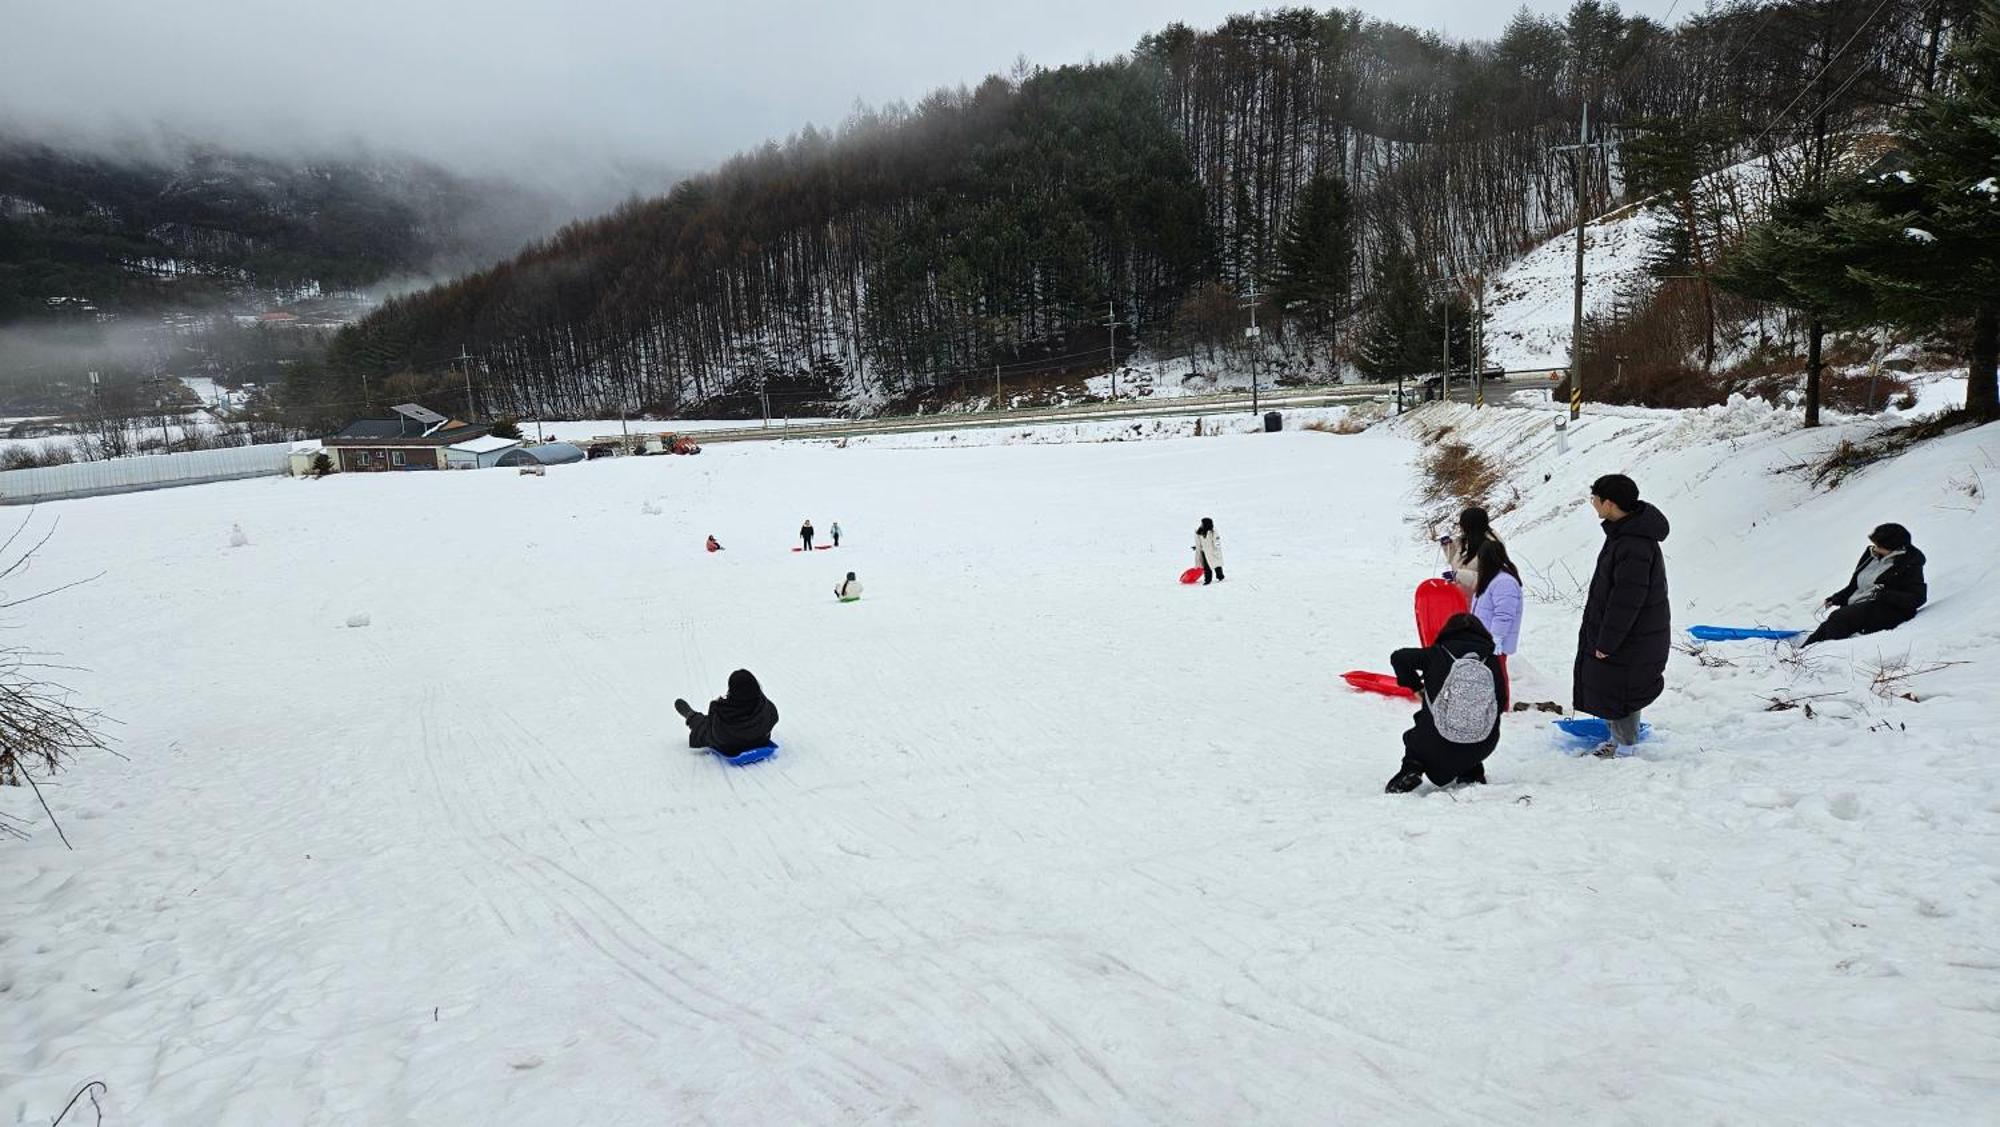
(1466, 640)
(1644, 522)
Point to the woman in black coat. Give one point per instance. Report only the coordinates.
(1884, 592)
(1627, 630)
(1425, 751)
(734, 723)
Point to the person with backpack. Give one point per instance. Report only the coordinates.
(1208, 550)
(1627, 628)
(1475, 531)
(734, 723)
(1496, 603)
(1460, 696)
(806, 536)
(849, 590)
(1884, 592)
(835, 533)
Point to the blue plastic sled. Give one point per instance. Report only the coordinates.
(1590, 731)
(746, 758)
(1740, 633)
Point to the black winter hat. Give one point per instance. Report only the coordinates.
(1894, 537)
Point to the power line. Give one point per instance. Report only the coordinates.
(1814, 80)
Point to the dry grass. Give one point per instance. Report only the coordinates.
(1456, 473)
(1848, 457)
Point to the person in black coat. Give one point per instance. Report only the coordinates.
(1425, 751)
(734, 723)
(1627, 630)
(1884, 592)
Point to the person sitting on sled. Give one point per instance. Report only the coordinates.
(734, 723)
(1884, 592)
(849, 590)
(1460, 697)
(714, 545)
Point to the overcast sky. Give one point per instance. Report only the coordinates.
(496, 85)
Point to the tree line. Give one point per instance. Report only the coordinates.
(1341, 165)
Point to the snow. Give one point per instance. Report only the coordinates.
(1051, 839)
(1990, 186)
(1918, 235)
(484, 444)
(1529, 305)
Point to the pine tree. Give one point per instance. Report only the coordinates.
(1316, 254)
(1917, 246)
(1398, 340)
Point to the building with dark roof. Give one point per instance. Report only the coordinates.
(414, 440)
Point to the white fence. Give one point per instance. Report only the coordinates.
(150, 471)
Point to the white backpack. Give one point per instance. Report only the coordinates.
(1466, 707)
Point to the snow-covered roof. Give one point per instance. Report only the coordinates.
(484, 444)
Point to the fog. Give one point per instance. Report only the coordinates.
(589, 96)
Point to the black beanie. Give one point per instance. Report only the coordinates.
(1894, 537)
(1618, 489)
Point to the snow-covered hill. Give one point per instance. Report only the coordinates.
(1052, 839)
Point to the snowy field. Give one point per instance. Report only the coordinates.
(1052, 839)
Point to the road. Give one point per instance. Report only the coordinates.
(1180, 406)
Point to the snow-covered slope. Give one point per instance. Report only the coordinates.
(1051, 839)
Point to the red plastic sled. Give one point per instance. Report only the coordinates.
(1383, 683)
(1191, 575)
(1437, 601)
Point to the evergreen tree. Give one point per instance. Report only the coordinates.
(1398, 340)
(1919, 246)
(1316, 254)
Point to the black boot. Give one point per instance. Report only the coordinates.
(1406, 780)
(1219, 575)
(1476, 775)
(681, 707)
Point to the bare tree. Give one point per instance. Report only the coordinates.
(41, 726)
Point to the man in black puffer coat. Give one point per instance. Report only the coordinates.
(1621, 649)
(1884, 592)
(734, 723)
(1425, 751)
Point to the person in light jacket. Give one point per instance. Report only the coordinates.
(1496, 603)
(1208, 551)
(835, 533)
(850, 588)
(1884, 592)
(1475, 530)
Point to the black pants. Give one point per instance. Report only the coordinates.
(1858, 618)
(1209, 574)
(806, 541)
(836, 539)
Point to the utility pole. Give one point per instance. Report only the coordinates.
(1115, 324)
(1253, 335)
(1479, 340)
(465, 359)
(997, 405)
(1445, 385)
(1581, 150)
(764, 396)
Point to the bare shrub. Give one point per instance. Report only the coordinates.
(41, 726)
(1456, 473)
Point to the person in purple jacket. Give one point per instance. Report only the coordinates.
(1496, 603)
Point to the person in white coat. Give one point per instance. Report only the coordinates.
(849, 590)
(1208, 551)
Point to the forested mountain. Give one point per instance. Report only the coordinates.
(1313, 155)
(183, 226)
